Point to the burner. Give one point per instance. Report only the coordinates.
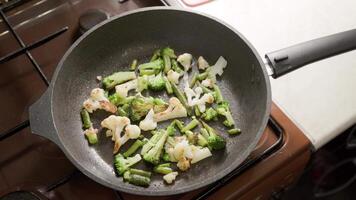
(20, 195)
(91, 18)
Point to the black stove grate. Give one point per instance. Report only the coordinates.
(25, 50)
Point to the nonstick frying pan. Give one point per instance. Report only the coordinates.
(111, 45)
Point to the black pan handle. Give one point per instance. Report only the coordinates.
(41, 121)
(291, 58)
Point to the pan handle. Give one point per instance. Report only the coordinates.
(291, 58)
(41, 120)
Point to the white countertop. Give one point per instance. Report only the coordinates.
(321, 97)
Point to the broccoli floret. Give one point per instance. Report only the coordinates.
(157, 83)
(215, 141)
(151, 68)
(210, 114)
(122, 164)
(139, 108)
(136, 179)
(152, 150)
(163, 168)
(109, 82)
(117, 99)
(171, 129)
(168, 52)
(224, 110)
(124, 110)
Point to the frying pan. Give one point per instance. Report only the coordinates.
(111, 45)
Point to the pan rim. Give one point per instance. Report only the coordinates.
(194, 186)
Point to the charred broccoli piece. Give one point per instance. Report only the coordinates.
(224, 110)
(153, 149)
(139, 108)
(215, 141)
(114, 79)
(122, 164)
(151, 68)
(157, 83)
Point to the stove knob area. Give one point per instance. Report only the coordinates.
(90, 18)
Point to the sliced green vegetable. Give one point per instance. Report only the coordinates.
(218, 96)
(135, 179)
(114, 79)
(234, 131)
(133, 148)
(85, 119)
(140, 172)
(168, 85)
(133, 65)
(150, 68)
(156, 55)
(92, 138)
(122, 164)
(191, 125)
(194, 80)
(163, 168)
(176, 68)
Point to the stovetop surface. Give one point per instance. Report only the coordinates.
(29, 162)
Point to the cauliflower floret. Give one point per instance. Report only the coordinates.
(199, 153)
(202, 63)
(131, 132)
(123, 89)
(185, 60)
(169, 178)
(183, 164)
(175, 110)
(217, 69)
(201, 103)
(115, 125)
(148, 123)
(173, 76)
(98, 100)
(208, 83)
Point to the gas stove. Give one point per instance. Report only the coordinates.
(34, 34)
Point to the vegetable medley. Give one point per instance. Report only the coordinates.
(193, 95)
